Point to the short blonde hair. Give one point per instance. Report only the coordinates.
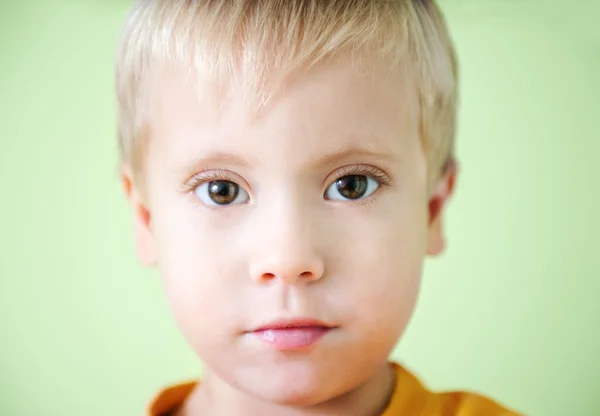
(258, 41)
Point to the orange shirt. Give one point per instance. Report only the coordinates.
(410, 398)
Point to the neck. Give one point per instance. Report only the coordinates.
(215, 397)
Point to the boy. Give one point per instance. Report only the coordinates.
(288, 163)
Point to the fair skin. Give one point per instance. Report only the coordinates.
(289, 239)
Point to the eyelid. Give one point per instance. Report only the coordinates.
(206, 175)
(209, 175)
(381, 175)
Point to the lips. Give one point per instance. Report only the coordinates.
(292, 334)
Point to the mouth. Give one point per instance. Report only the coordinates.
(292, 334)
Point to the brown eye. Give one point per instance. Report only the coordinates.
(352, 187)
(221, 192)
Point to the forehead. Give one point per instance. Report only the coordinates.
(334, 105)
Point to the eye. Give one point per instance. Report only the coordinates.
(220, 193)
(352, 187)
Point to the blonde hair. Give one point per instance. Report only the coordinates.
(260, 41)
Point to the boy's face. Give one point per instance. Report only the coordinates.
(318, 208)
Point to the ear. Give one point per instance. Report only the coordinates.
(144, 239)
(436, 242)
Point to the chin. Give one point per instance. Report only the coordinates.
(292, 395)
(292, 384)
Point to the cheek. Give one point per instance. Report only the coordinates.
(385, 268)
(197, 268)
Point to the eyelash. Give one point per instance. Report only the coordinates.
(207, 176)
(381, 175)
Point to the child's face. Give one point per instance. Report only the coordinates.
(279, 237)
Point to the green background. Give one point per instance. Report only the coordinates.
(509, 311)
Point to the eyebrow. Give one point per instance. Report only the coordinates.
(326, 160)
(215, 158)
(230, 158)
(358, 152)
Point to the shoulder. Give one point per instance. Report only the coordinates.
(412, 397)
(468, 403)
(171, 399)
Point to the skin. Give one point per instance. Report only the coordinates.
(292, 245)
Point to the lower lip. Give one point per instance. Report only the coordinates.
(291, 338)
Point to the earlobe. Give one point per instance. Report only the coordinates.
(436, 242)
(144, 239)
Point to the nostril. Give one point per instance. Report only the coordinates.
(287, 277)
(268, 276)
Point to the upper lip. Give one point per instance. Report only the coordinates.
(293, 323)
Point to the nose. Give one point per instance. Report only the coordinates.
(286, 251)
